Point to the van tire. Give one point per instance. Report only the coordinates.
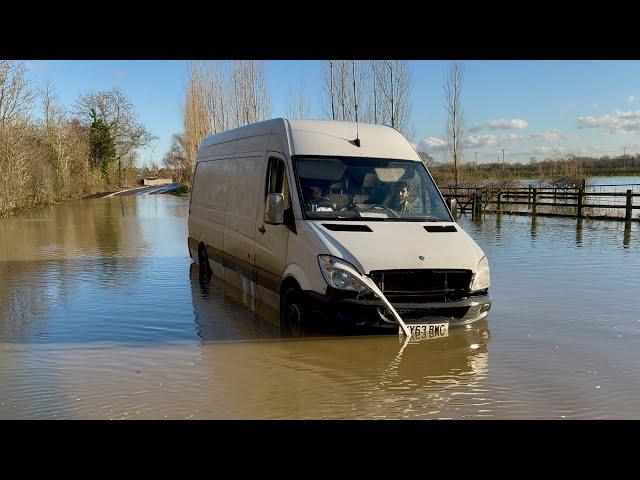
(292, 313)
(203, 263)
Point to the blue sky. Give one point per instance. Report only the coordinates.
(529, 108)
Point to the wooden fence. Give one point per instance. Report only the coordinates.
(573, 202)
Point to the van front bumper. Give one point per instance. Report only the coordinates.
(374, 313)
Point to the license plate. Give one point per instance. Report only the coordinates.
(421, 331)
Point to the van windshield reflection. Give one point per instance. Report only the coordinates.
(356, 188)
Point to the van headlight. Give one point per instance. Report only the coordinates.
(340, 274)
(481, 277)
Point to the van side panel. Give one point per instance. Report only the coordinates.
(207, 217)
(218, 150)
(239, 233)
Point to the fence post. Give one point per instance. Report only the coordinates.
(580, 194)
(529, 197)
(478, 201)
(535, 201)
(498, 206)
(629, 207)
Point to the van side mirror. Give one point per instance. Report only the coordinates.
(274, 209)
(452, 204)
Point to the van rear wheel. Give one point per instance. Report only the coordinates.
(203, 263)
(292, 313)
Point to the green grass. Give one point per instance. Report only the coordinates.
(182, 191)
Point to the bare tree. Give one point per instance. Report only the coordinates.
(16, 97)
(250, 95)
(298, 107)
(395, 84)
(196, 120)
(454, 128)
(216, 94)
(176, 159)
(338, 97)
(335, 94)
(54, 118)
(117, 111)
(16, 101)
(328, 93)
(372, 111)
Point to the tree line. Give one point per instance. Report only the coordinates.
(219, 96)
(49, 153)
(561, 170)
(224, 95)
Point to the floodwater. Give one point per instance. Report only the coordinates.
(103, 317)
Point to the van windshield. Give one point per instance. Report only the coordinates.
(356, 188)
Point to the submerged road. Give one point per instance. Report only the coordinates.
(103, 315)
(151, 190)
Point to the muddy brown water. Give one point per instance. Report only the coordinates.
(103, 317)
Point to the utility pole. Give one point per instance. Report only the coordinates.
(624, 159)
(503, 161)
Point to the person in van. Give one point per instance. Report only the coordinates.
(401, 202)
(315, 198)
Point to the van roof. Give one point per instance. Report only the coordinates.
(325, 137)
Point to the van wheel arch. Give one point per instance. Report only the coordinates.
(292, 308)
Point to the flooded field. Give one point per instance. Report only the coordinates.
(598, 190)
(103, 317)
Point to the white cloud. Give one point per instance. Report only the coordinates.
(436, 144)
(480, 141)
(630, 98)
(618, 122)
(512, 137)
(433, 143)
(548, 149)
(550, 135)
(500, 124)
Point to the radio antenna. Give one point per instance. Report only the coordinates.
(355, 102)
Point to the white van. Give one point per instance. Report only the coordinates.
(334, 221)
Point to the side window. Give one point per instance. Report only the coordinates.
(277, 180)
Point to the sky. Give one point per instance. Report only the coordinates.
(528, 108)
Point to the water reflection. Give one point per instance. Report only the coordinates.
(534, 226)
(322, 374)
(66, 270)
(626, 239)
(579, 232)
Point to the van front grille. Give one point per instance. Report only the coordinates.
(418, 315)
(423, 285)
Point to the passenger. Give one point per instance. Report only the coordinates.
(400, 202)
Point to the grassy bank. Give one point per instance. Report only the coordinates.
(183, 191)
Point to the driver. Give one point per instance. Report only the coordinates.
(401, 202)
(315, 198)
(315, 194)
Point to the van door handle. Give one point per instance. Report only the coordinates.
(262, 229)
